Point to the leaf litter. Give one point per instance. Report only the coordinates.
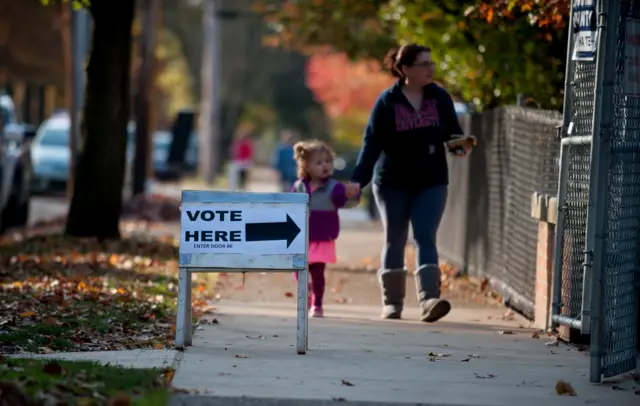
(71, 294)
(37, 382)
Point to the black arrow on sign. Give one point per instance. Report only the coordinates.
(283, 230)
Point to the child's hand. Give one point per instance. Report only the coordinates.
(352, 190)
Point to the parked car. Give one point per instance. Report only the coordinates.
(15, 168)
(50, 154)
(462, 108)
(161, 146)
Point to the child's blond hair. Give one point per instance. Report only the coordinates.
(304, 150)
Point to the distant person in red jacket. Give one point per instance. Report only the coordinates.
(242, 157)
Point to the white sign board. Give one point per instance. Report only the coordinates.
(240, 231)
(631, 79)
(585, 30)
(243, 228)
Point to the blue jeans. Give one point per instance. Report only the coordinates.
(423, 209)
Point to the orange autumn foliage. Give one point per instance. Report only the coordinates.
(344, 86)
(543, 13)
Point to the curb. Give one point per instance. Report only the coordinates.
(177, 359)
(201, 400)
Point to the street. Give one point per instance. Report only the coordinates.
(263, 180)
(45, 208)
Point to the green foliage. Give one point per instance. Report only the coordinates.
(485, 61)
(28, 381)
(77, 4)
(350, 26)
(174, 79)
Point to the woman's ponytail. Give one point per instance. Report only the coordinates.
(390, 62)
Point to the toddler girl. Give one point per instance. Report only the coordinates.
(326, 196)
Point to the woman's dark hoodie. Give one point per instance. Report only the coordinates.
(404, 147)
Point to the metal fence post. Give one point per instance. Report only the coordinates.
(608, 11)
(563, 131)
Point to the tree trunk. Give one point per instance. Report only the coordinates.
(97, 196)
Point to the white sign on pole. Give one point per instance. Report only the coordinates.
(631, 78)
(242, 232)
(585, 30)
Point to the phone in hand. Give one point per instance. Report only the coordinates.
(458, 145)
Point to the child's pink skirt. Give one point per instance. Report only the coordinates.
(323, 252)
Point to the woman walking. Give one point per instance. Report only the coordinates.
(405, 142)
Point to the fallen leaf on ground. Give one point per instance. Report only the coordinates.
(288, 294)
(565, 388)
(506, 332)
(121, 399)
(242, 356)
(554, 342)
(78, 294)
(535, 335)
(487, 376)
(52, 368)
(11, 395)
(509, 315)
(433, 354)
(346, 383)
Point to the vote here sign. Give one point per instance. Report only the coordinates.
(243, 228)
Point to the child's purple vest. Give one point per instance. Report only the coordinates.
(324, 223)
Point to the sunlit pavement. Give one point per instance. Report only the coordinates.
(248, 357)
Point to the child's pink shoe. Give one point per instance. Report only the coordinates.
(316, 312)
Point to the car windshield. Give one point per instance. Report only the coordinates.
(161, 142)
(55, 137)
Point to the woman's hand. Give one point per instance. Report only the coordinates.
(352, 190)
(461, 146)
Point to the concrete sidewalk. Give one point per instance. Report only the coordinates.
(471, 358)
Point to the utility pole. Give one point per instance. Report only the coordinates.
(209, 126)
(75, 35)
(81, 38)
(68, 41)
(142, 106)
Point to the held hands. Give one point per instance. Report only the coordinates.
(352, 190)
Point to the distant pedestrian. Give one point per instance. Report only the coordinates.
(326, 195)
(241, 160)
(284, 162)
(405, 140)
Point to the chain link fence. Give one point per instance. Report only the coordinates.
(577, 188)
(599, 225)
(487, 228)
(623, 214)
